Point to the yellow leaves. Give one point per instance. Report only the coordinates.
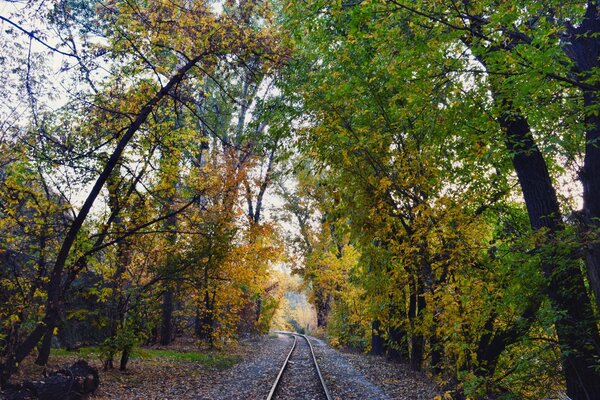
(155, 36)
(11, 320)
(445, 396)
(385, 183)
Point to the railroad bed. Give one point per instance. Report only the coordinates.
(347, 376)
(299, 377)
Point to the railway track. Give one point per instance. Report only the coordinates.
(301, 365)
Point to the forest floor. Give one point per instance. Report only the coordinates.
(181, 371)
(345, 370)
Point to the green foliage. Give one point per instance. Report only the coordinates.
(397, 109)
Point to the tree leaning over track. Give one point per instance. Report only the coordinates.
(159, 52)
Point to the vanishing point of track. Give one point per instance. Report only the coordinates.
(322, 384)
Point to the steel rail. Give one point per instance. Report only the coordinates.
(312, 352)
(285, 364)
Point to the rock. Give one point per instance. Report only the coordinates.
(72, 383)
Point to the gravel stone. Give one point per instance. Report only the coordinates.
(349, 376)
(252, 378)
(395, 379)
(300, 380)
(344, 381)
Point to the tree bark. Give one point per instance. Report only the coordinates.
(493, 343)
(44, 351)
(377, 340)
(207, 318)
(417, 341)
(168, 306)
(590, 179)
(397, 344)
(124, 359)
(435, 349)
(166, 330)
(323, 306)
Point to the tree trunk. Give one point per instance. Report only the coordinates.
(397, 347)
(417, 345)
(198, 324)
(258, 305)
(168, 306)
(323, 306)
(435, 349)
(417, 341)
(590, 179)
(124, 359)
(377, 340)
(44, 351)
(108, 363)
(493, 343)
(207, 319)
(583, 48)
(166, 331)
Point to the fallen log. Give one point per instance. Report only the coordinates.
(73, 383)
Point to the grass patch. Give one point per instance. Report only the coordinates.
(219, 361)
(212, 360)
(81, 352)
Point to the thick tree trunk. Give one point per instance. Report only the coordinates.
(417, 349)
(397, 348)
(435, 349)
(124, 359)
(493, 343)
(323, 306)
(377, 340)
(583, 48)
(166, 330)
(590, 178)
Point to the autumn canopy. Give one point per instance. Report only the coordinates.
(427, 172)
